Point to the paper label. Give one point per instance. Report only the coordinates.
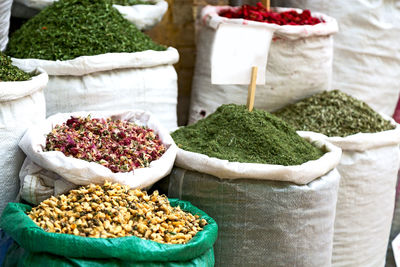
(396, 249)
(236, 49)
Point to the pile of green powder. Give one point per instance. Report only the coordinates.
(9, 72)
(131, 2)
(333, 113)
(71, 28)
(235, 134)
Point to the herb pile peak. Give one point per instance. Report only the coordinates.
(235, 134)
(71, 28)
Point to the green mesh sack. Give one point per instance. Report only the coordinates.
(35, 247)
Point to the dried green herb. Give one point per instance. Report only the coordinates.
(72, 28)
(11, 73)
(333, 113)
(235, 134)
(131, 2)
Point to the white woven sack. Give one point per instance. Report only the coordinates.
(52, 173)
(113, 81)
(22, 104)
(395, 228)
(366, 49)
(143, 16)
(299, 65)
(364, 211)
(264, 220)
(5, 13)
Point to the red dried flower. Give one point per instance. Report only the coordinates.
(260, 13)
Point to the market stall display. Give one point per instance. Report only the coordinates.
(131, 148)
(22, 104)
(299, 60)
(97, 60)
(115, 225)
(368, 167)
(366, 48)
(271, 206)
(143, 13)
(311, 184)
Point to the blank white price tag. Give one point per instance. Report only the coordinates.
(236, 49)
(396, 249)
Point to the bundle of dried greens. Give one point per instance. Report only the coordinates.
(333, 113)
(72, 28)
(235, 134)
(113, 210)
(118, 145)
(11, 73)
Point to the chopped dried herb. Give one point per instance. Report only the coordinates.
(11, 73)
(71, 28)
(118, 145)
(131, 2)
(235, 134)
(333, 113)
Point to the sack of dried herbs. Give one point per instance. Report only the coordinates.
(375, 79)
(368, 167)
(263, 185)
(65, 151)
(97, 61)
(95, 228)
(22, 104)
(299, 64)
(143, 13)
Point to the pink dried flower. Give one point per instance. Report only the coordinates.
(118, 145)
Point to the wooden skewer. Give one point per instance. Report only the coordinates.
(252, 89)
(267, 4)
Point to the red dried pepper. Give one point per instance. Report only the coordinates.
(261, 14)
(118, 145)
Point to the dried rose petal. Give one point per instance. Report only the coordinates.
(118, 145)
(261, 14)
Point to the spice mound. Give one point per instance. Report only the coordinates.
(95, 27)
(113, 210)
(261, 14)
(9, 72)
(118, 145)
(233, 133)
(334, 113)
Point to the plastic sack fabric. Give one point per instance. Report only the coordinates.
(40, 248)
(143, 16)
(5, 13)
(113, 81)
(44, 174)
(263, 222)
(395, 228)
(22, 104)
(366, 49)
(364, 211)
(5, 242)
(299, 65)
